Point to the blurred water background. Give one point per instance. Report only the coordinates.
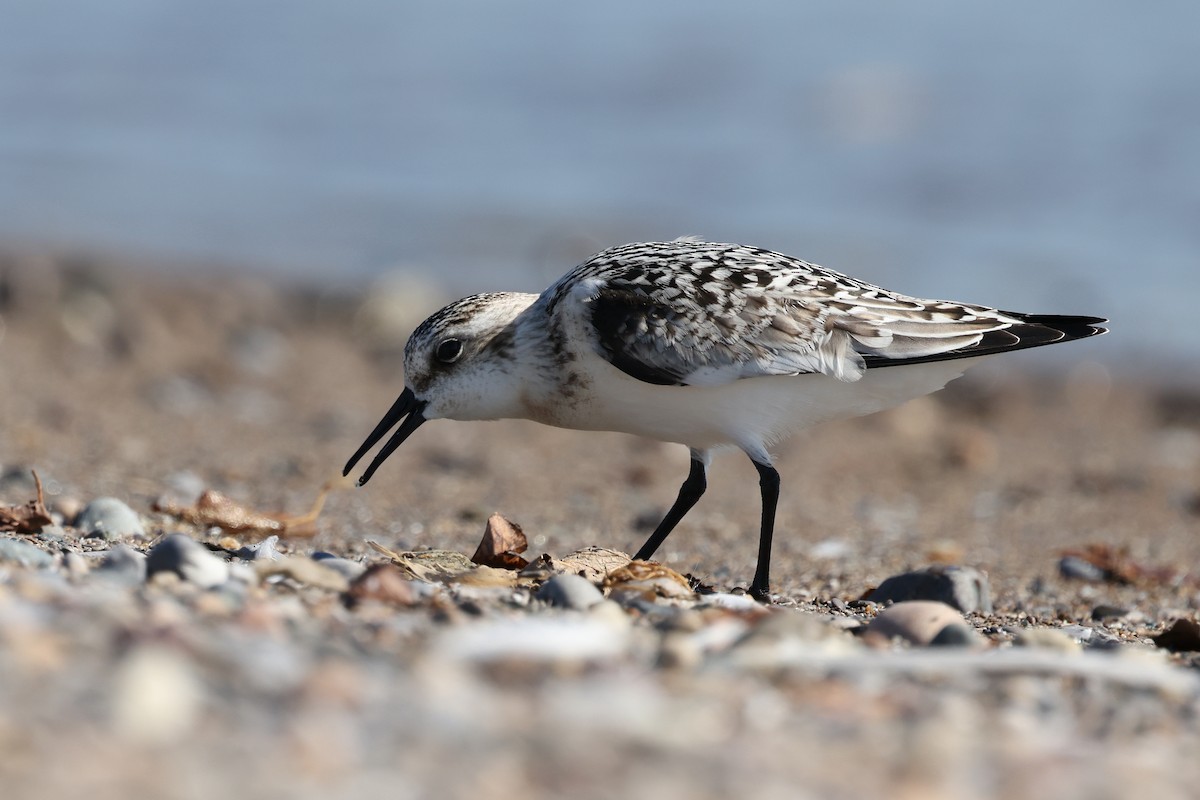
(1037, 156)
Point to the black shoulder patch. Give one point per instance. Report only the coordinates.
(620, 317)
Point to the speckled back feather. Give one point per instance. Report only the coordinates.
(689, 312)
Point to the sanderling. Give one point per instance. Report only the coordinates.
(708, 345)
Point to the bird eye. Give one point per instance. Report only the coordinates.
(448, 351)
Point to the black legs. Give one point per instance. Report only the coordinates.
(768, 484)
(689, 493)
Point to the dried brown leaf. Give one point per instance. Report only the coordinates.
(593, 563)
(649, 578)
(502, 540)
(428, 565)
(214, 509)
(1120, 567)
(28, 518)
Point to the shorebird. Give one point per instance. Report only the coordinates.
(705, 344)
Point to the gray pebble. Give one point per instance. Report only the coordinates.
(122, 564)
(110, 519)
(1103, 612)
(1077, 569)
(350, 569)
(51, 533)
(569, 591)
(16, 551)
(189, 560)
(264, 550)
(964, 588)
(956, 634)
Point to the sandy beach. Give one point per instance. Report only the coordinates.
(153, 388)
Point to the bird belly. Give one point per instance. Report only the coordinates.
(751, 413)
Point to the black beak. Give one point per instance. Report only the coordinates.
(406, 405)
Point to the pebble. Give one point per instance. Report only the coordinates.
(349, 569)
(956, 634)
(533, 639)
(384, 583)
(1103, 612)
(733, 602)
(52, 533)
(831, 549)
(156, 695)
(1076, 568)
(23, 553)
(915, 621)
(110, 519)
(122, 564)
(264, 550)
(189, 560)
(964, 588)
(1182, 637)
(569, 591)
(304, 570)
(1047, 639)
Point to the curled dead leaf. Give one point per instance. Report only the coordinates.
(593, 563)
(649, 579)
(427, 565)
(214, 509)
(28, 518)
(1118, 566)
(502, 540)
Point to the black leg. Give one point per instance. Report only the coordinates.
(689, 493)
(768, 484)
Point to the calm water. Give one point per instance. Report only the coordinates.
(1042, 156)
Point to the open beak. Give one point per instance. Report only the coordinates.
(407, 405)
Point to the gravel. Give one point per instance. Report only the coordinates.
(353, 675)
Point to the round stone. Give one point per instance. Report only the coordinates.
(110, 519)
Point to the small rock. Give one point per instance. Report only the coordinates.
(156, 695)
(1182, 637)
(956, 634)
(351, 570)
(916, 621)
(304, 570)
(570, 591)
(1076, 568)
(185, 486)
(1103, 612)
(110, 519)
(964, 588)
(384, 583)
(189, 560)
(830, 549)
(532, 640)
(122, 564)
(1079, 633)
(51, 533)
(1047, 639)
(264, 550)
(76, 565)
(23, 553)
(733, 602)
